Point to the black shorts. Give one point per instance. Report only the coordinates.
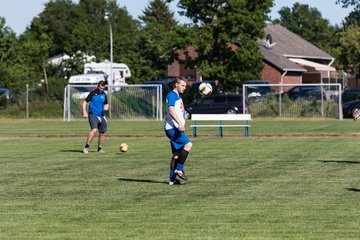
(98, 122)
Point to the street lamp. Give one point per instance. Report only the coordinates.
(107, 18)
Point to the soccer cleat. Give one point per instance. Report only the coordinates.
(86, 150)
(101, 151)
(181, 174)
(176, 182)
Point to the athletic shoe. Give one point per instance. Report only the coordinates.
(101, 151)
(176, 182)
(181, 174)
(86, 150)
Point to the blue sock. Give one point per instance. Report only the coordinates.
(172, 175)
(180, 167)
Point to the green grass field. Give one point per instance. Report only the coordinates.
(254, 188)
(44, 127)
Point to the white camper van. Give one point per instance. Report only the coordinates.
(87, 79)
(95, 72)
(81, 82)
(120, 71)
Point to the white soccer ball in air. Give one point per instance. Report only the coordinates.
(205, 89)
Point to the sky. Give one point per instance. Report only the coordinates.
(18, 14)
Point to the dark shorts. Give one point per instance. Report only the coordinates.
(98, 122)
(178, 139)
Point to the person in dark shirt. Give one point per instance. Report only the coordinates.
(98, 104)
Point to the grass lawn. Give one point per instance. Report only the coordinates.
(259, 126)
(255, 188)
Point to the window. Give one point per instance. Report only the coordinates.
(204, 101)
(269, 39)
(220, 99)
(234, 99)
(296, 90)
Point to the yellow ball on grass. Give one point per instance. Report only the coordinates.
(123, 147)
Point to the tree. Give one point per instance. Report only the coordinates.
(155, 39)
(224, 33)
(60, 17)
(81, 27)
(8, 42)
(347, 3)
(158, 13)
(125, 33)
(352, 19)
(354, 16)
(35, 44)
(350, 49)
(309, 24)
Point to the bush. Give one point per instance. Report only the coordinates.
(56, 88)
(40, 107)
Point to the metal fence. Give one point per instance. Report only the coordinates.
(294, 100)
(126, 102)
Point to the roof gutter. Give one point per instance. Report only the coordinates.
(313, 57)
(285, 69)
(294, 70)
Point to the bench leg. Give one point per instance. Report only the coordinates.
(194, 132)
(246, 130)
(220, 130)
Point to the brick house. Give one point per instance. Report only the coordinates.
(288, 58)
(178, 67)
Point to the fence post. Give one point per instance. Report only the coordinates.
(27, 101)
(160, 108)
(69, 103)
(153, 105)
(340, 104)
(65, 102)
(110, 90)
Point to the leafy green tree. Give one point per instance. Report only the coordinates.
(352, 19)
(6, 48)
(14, 67)
(308, 23)
(34, 48)
(349, 39)
(89, 34)
(125, 35)
(224, 34)
(350, 49)
(60, 17)
(347, 3)
(158, 13)
(155, 40)
(80, 28)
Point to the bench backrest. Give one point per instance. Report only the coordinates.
(225, 117)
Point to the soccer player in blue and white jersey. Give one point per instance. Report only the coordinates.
(175, 130)
(98, 104)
